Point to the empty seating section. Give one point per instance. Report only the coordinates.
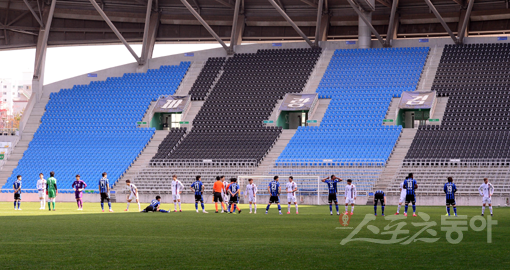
(361, 84)
(173, 137)
(91, 129)
(206, 78)
(476, 122)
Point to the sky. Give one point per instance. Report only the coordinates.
(67, 62)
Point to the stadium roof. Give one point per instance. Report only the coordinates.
(78, 22)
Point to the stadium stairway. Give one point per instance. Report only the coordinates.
(430, 69)
(321, 110)
(193, 110)
(318, 72)
(392, 112)
(439, 110)
(190, 78)
(33, 123)
(277, 149)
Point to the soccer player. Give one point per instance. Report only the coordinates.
(177, 187)
(486, 190)
(410, 186)
(198, 188)
(154, 206)
(51, 190)
(291, 194)
(251, 193)
(104, 190)
(332, 187)
(41, 189)
(402, 199)
(132, 195)
(17, 192)
(217, 196)
(274, 190)
(233, 191)
(78, 187)
(450, 189)
(224, 193)
(350, 196)
(379, 196)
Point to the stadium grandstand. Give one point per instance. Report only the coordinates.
(365, 90)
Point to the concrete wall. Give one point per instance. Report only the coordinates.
(440, 200)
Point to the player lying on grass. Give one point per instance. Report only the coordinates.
(449, 190)
(251, 193)
(332, 189)
(198, 188)
(17, 192)
(291, 194)
(274, 190)
(78, 187)
(233, 191)
(154, 206)
(104, 190)
(486, 190)
(379, 196)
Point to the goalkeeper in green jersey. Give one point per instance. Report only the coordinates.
(51, 189)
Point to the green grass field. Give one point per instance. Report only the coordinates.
(69, 239)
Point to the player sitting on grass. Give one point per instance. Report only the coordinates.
(410, 186)
(274, 190)
(332, 189)
(350, 196)
(291, 194)
(51, 190)
(133, 194)
(154, 206)
(198, 188)
(233, 191)
(449, 190)
(78, 187)
(17, 192)
(486, 190)
(104, 190)
(379, 196)
(251, 193)
(41, 189)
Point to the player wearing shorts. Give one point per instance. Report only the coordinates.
(224, 193)
(449, 189)
(486, 190)
(154, 206)
(410, 186)
(198, 188)
(17, 192)
(402, 199)
(233, 191)
(104, 190)
(51, 190)
(291, 194)
(379, 196)
(217, 194)
(133, 194)
(78, 187)
(177, 187)
(332, 190)
(251, 193)
(274, 190)
(41, 190)
(350, 196)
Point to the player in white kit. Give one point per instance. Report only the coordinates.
(133, 194)
(402, 197)
(350, 196)
(251, 193)
(291, 194)
(41, 189)
(224, 193)
(177, 187)
(486, 190)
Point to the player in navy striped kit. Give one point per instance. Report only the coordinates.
(449, 190)
(379, 196)
(410, 186)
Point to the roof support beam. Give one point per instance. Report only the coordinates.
(391, 26)
(234, 26)
(318, 25)
(364, 18)
(225, 3)
(196, 4)
(441, 20)
(310, 3)
(19, 17)
(460, 2)
(148, 13)
(34, 13)
(6, 37)
(466, 21)
(387, 3)
(114, 29)
(289, 20)
(44, 42)
(204, 24)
